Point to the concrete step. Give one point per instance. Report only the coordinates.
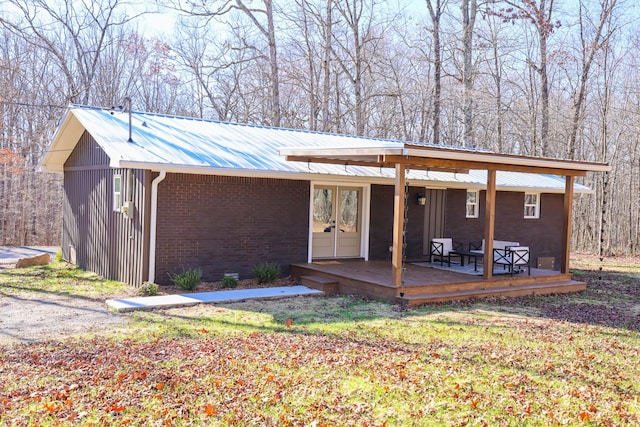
(507, 291)
(325, 284)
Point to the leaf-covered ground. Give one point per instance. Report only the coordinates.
(558, 360)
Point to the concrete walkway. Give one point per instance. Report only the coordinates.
(183, 300)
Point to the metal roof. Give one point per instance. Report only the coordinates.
(187, 145)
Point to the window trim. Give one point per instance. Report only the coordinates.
(476, 204)
(535, 206)
(117, 195)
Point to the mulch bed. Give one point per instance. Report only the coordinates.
(215, 286)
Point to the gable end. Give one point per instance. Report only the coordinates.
(86, 154)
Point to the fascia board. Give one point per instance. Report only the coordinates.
(508, 159)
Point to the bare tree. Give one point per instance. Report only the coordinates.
(469, 9)
(602, 31)
(73, 32)
(356, 50)
(436, 10)
(263, 21)
(540, 14)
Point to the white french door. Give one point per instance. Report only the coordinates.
(337, 221)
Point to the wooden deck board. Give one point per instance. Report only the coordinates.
(375, 279)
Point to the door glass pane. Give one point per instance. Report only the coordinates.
(322, 210)
(349, 211)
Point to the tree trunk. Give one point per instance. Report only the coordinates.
(469, 10)
(436, 13)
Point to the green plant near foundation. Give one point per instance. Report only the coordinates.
(228, 282)
(266, 272)
(187, 280)
(148, 289)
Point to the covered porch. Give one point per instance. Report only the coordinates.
(413, 284)
(423, 283)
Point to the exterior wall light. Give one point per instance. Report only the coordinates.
(421, 199)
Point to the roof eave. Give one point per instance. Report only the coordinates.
(296, 175)
(62, 144)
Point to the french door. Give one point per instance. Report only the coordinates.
(337, 222)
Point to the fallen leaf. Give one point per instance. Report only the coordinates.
(210, 410)
(51, 407)
(116, 408)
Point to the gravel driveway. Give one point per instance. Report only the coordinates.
(39, 316)
(27, 317)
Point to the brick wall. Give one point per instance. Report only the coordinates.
(543, 235)
(230, 224)
(381, 234)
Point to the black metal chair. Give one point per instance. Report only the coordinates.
(444, 248)
(512, 257)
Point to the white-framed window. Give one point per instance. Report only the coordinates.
(472, 203)
(531, 205)
(117, 192)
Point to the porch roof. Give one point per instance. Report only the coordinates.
(430, 157)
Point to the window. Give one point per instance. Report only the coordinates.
(117, 192)
(531, 205)
(472, 204)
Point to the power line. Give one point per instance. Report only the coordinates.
(30, 105)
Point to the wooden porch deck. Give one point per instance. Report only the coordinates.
(424, 285)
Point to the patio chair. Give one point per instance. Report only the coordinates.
(444, 248)
(512, 257)
(478, 246)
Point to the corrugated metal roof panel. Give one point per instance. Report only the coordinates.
(195, 143)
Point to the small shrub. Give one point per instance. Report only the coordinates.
(59, 256)
(148, 289)
(266, 272)
(187, 280)
(228, 282)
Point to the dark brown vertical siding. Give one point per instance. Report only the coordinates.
(381, 225)
(229, 224)
(541, 235)
(104, 241)
(435, 217)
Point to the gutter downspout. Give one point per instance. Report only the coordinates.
(154, 224)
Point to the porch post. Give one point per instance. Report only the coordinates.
(398, 226)
(489, 224)
(566, 224)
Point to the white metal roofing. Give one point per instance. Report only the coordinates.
(187, 145)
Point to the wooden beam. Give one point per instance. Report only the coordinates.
(398, 227)
(341, 162)
(489, 224)
(432, 163)
(370, 163)
(566, 225)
